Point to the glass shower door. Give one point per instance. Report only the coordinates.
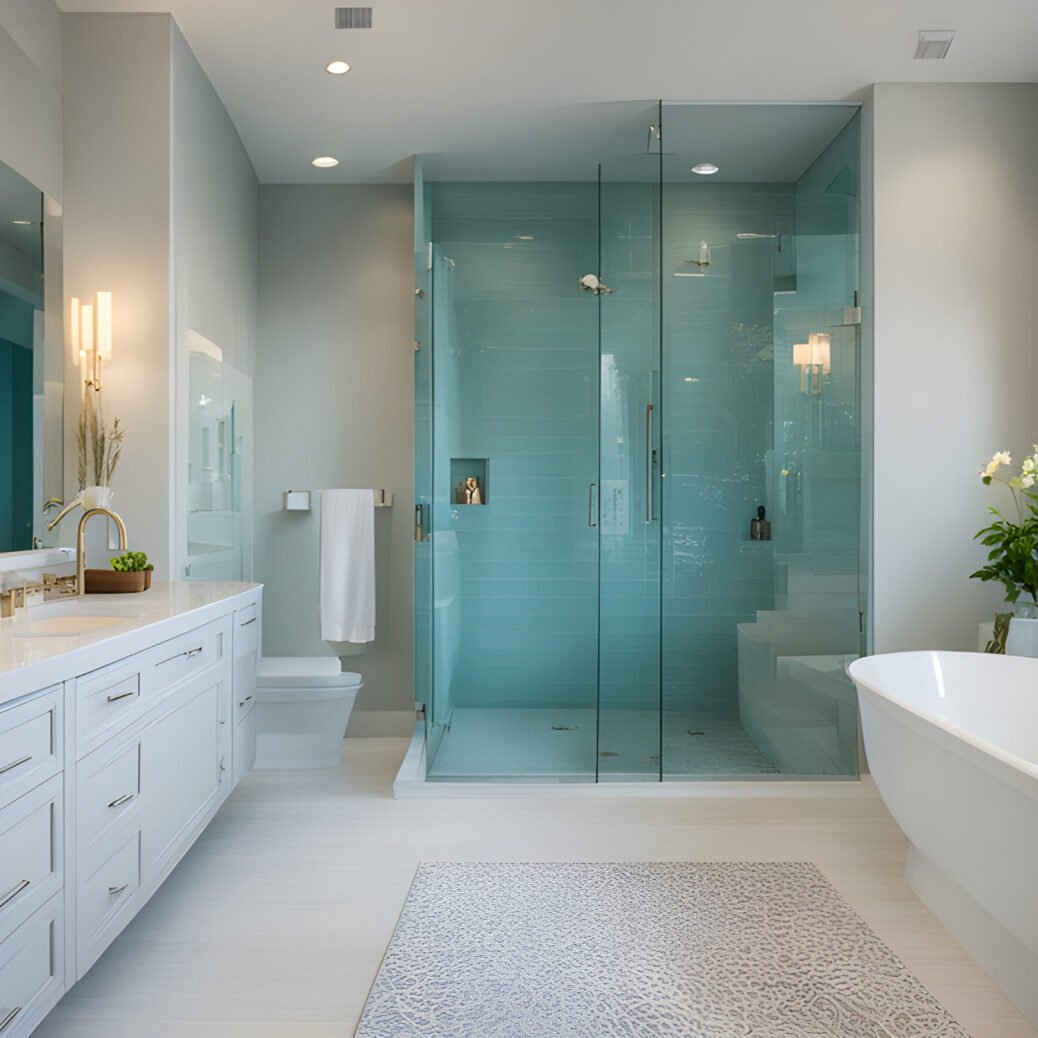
(630, 481)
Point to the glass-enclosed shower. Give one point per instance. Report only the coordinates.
(638, 451)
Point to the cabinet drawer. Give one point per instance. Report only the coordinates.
(180, 658)
(101, 898)
(246, 630)
(108, 789)
(32, 977)
(30, 853)
(107, 701)
(30, 743)
(243, 755)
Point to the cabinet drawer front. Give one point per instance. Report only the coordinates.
(30, 853)
(31, 973)
(107, 703)
(107, 790)
(246, 630)
(244, 753)
(30, 744)
(244, 684)
(180, 658)
(101, 898)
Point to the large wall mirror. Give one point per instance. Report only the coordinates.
(31, 364)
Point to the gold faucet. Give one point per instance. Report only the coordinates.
(81, 543)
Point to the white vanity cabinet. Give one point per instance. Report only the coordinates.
(106, 780)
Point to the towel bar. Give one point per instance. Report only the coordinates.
(300, 500)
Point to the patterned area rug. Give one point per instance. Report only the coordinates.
(640, 950)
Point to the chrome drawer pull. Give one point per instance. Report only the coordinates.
(14, 893)
(15, 764)
(247, 622)
(9, 1018)
(117, 890)
(122, 695)
(118, 801)
(242, 702)
(188, 654)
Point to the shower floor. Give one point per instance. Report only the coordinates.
(560, 745)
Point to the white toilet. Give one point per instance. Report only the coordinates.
(303, 704)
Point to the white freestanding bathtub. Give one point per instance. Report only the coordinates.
(952, 742)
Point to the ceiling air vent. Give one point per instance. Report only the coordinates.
(352, 17)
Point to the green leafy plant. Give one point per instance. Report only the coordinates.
(1013, 545)
(131, 562)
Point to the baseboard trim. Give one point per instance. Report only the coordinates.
(379, 724)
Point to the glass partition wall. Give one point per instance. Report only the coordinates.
(638, 453)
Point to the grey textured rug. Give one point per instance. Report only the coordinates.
(640, 950)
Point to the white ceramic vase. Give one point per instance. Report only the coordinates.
(96, 497)
(1022, 639)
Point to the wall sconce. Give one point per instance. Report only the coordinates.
(90, 326)
(812, 356)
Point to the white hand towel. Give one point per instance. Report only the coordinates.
(348, 565)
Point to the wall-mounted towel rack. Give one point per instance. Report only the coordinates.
(300, 500)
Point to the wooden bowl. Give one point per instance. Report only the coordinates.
(111, 582)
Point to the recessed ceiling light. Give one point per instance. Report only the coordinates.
(325, 162)
(934, 43)
(23, 223)
(525, 237)
(337, 68)
(704, 169)
(688, 378)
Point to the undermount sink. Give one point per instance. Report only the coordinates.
(68, 620)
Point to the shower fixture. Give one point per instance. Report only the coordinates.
(592, 283)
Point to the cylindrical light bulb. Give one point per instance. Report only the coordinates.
(104, 325)
(86, 328)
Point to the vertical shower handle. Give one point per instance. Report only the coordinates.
(648, 463)
(591, 521)
(419, 524)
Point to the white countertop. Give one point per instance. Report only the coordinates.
(28, 664)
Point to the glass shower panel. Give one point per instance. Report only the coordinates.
(760, 393)
(515, 432)
(630, 479)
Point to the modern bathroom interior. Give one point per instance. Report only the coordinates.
(492, 520)
(609, 610)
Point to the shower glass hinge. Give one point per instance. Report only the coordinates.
(852, 314)
(417, 345)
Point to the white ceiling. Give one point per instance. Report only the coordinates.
(465, 77)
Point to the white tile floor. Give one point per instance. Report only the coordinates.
(275, 923)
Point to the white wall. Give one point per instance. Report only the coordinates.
(30, 91)
(334, 406)
(161, 209)
(117, 84)
(215, 220)
(956, 352)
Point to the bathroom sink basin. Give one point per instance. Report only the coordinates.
(65, 626)
(69, 620)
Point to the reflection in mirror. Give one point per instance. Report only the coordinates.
(30, 370)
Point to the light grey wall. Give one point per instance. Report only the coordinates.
(334, 405)
(30, 91)
(117, 82)
(215, 219)
(161, 209)
(956, 358)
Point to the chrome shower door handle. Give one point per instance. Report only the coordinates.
(591, 521)
(419, 523)
(648, 463)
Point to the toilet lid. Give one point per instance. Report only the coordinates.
(304, 672)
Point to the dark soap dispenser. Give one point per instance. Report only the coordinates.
(760, 528)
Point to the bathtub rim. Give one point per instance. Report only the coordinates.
(1012, 760)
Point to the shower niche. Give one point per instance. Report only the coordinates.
(469, 481)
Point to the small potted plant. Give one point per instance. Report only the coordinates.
(1013, 550)
(130, 572)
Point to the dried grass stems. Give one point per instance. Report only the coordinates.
(100, 445)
